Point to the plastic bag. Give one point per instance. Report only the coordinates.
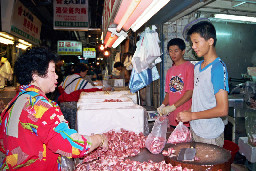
(180, 134)
(67, 164)
(156, 140)
(142, 79)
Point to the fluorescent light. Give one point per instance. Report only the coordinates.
(111, 40)
(22, 46)
(6, 41)
(3, 34)
(235, 17)
(122, 35)
(133, 5)
(24, 42)
(152, 9)
(241, 3)
(118, 41)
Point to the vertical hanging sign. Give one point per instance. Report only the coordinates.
(109, 12)
(24, 24)
(70, 15)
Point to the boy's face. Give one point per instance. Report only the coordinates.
(176, 53)
(200, 45)
(119, 68)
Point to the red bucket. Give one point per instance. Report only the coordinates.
(232, 147)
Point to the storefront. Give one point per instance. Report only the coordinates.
(20, 29)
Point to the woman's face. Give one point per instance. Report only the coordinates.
(83, 73)
(48, 83)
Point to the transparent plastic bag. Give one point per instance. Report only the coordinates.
(156, 140)
(180, 134)
(67, 164)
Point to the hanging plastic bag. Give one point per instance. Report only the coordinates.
(67, 164)
(180, 134)
(147, 51)
(156, 140)
(142, 79)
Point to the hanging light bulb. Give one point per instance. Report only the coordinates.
(106, 53)
(101, 47)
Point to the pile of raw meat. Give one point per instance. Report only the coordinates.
(122, 144)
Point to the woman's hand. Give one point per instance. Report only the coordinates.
(104, 142)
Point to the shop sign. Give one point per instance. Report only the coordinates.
(109, 12)
(70, 15)
(66, 47)
(24, 24)
(89, 52)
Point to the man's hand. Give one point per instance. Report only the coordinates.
(160, 108)
(184, 116)
(168, 109)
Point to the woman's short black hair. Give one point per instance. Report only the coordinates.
(35, 60)
(80, 67)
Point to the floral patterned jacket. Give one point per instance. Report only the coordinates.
(34, 133)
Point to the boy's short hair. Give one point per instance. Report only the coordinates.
(118, 64)
(206, 30)
(176, 41)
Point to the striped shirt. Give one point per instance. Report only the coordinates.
(75, 82)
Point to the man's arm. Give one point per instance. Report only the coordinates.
(166, 99)
(220, 110)
(187, 95)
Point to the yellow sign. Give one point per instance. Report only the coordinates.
(89, 52)
(89, 49)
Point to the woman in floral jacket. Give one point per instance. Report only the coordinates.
(33, 131)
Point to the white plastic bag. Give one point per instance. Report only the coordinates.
(180, 134)
(156, 140)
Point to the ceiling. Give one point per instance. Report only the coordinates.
(43, 9)
(235, 7)
(178, 8)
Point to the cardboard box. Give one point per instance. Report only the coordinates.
(98, 121)
(116, 82)
(246, 149)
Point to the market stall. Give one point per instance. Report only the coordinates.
(127, 151)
